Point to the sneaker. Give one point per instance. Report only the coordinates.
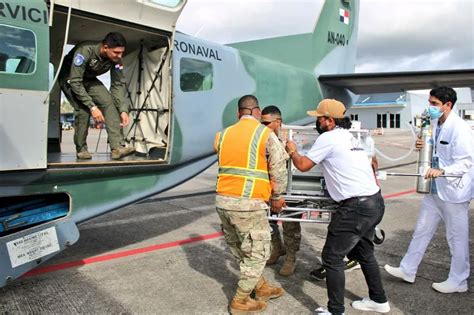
(83, 155)
(448, 287)
(366, 304)
(121, 152)
(351, 265)
(320, 273)
(397, 272)
(323, 311)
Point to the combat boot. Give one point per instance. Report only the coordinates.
(289, 265)
(83, 155)
(264, 291)
(121, 152)
(242, 303)
(277, 250)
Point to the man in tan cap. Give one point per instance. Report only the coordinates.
(350, 182)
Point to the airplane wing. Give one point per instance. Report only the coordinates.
(386, 82)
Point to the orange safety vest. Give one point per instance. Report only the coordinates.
(243, 169)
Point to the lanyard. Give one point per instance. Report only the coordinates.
(437, 132)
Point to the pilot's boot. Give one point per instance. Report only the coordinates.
(264, 291)
(121, 152)
(289, 265)
(83, 155)
(277, 250)
(242, 303)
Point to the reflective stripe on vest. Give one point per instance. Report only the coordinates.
(253, 152)
(250, 174)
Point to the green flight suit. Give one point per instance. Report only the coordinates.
(78, 80)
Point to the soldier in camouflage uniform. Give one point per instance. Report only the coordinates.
(244, 219)
(88, 96)
(271, 117)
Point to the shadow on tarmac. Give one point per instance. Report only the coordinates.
(124, 227)
(214, 264)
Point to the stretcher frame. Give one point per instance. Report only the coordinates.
(314, 205)
(306, 196)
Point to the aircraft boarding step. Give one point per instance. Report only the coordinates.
(33, 212)
(33, 228)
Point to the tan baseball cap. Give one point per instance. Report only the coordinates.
(329, 108)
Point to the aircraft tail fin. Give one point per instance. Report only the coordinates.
(330, 48)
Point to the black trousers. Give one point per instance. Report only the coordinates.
(350, 233)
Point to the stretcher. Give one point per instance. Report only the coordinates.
(306, 196)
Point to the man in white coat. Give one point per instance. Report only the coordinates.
(453, 152)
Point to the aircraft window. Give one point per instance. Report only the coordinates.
(166, 3)
(195, 75)
(17, 50)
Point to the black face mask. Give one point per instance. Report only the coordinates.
(319, 129)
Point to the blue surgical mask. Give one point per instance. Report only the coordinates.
(435, 112)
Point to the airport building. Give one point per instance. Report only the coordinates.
(398, 110)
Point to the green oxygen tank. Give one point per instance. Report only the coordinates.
(423, 186)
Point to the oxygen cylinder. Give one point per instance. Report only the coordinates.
(425, 156)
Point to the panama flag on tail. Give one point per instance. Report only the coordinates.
(344, 16)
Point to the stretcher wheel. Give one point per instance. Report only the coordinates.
(379, 236)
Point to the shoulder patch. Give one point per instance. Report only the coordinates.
(78, 60)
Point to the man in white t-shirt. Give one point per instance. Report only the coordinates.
(350, 182)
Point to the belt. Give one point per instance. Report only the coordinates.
(358, 199)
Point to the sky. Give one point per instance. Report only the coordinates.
(394, 35)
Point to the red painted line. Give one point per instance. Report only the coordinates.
(398, 194)
(137, 251)
(126, 253)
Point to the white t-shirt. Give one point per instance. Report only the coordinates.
(345, 165)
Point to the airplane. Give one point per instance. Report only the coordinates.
(182, 90)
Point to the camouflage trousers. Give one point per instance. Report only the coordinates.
(291, 236)
(248, 235)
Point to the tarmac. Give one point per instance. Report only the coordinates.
(166, 255)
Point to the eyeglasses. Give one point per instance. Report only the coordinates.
(266, 123)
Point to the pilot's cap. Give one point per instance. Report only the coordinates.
(329, 108)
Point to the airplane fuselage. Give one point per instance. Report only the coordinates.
(205, 81)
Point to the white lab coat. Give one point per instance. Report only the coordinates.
(455, 149)
(472, 183)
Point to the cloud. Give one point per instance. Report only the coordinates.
(415, 35)
(394, 35)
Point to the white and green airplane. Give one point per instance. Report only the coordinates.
(182, 90)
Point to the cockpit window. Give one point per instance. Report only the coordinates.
(195, 75)
(17, 50)
(166, 3)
